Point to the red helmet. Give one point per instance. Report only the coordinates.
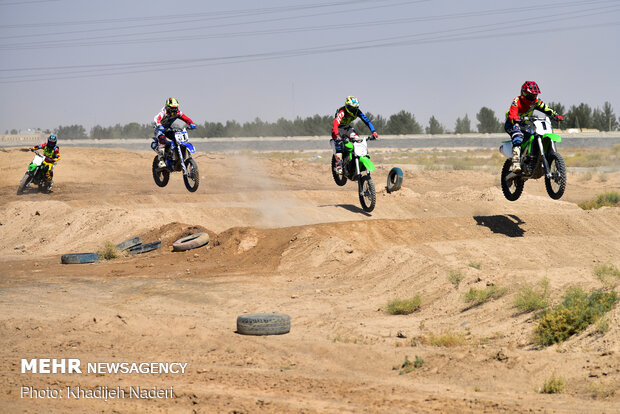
(530, 91)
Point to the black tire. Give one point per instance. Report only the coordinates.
(557, 183)
(161, 177)
(23, 183)
(143, 248)
(368, 196)
(128, 244)
(264, 324)
(193, 241)
(79, 258)
(339, 179)
(512, 190)
(192, 179)
(394, 180)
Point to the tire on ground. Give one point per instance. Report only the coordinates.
(128, 244)
(264, 324)
(79, 258)
(143, 248)
(192, 241)
(394, 180)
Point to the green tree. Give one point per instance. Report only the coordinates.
(487, 122)
(378, 122)
(579, 116)
(13, 131)
(604, 119)
(434, 127)
(70, 132)
(403, 123)
(560, 109)
(463, 126)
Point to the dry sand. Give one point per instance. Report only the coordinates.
(285, 238)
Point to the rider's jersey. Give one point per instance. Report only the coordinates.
(344, 118)
(51, 155)
(164, 119)
(521, 107)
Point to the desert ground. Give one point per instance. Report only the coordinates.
(286, 239)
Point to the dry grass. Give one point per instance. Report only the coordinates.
(404, 306)
(553, 385)
(610, 199)
(109, 251)
(446, 339)
(475, 297)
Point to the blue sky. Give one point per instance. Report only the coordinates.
(66, 62)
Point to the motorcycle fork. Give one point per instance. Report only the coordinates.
(181, 159)
(543, 155)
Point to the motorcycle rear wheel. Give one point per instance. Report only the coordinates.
(557, 183)
(192, 179)
(339, 179)
(512, 190)
(162, 176)
(368, 196)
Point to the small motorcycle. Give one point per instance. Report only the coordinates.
(35, 175)
(356, 166)
(539, 157)
(177, 157)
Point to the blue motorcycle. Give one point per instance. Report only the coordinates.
(177, 157)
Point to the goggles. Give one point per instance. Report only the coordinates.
(530, 96)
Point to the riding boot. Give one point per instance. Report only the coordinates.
(516, 159)
(338, 163)
(160, 155)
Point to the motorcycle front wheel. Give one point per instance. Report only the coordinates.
(23, 183)
(162, 176)
(339, 179)
(557, 183)
(368, 196)
(512, 188)
(192, 179)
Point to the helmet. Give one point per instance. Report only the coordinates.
(172, 106)
(530, 91)
(51, 141)
(351, 104)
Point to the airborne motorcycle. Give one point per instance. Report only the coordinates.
(355, 163)
(35, 175)
(177, 157)
(539, 157)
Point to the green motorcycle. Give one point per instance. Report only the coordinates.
(356, 166)
(539, 157)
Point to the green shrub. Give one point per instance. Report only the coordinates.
(608, 274)
(553, 385)
(408, 366)
(610, 199)
(530, 298)
(573, 315)
(109, 251)
(404, 307)
(475, 265)
(455, 277)
(477, 297)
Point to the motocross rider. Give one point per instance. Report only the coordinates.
(342, 128)
(52, 156)
(168, 114)
(524, 105)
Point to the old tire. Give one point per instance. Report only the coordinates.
(161, 177)
(557, 183)
(394, 180)
(128, 244)
(193, 241)
(143, 248)
(79, 258)
(512, 190)
(264, 324)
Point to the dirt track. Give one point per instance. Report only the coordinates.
(285, 238)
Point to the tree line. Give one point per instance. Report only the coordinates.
(577, 116)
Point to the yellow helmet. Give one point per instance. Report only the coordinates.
(351, 104)
(172, 106)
